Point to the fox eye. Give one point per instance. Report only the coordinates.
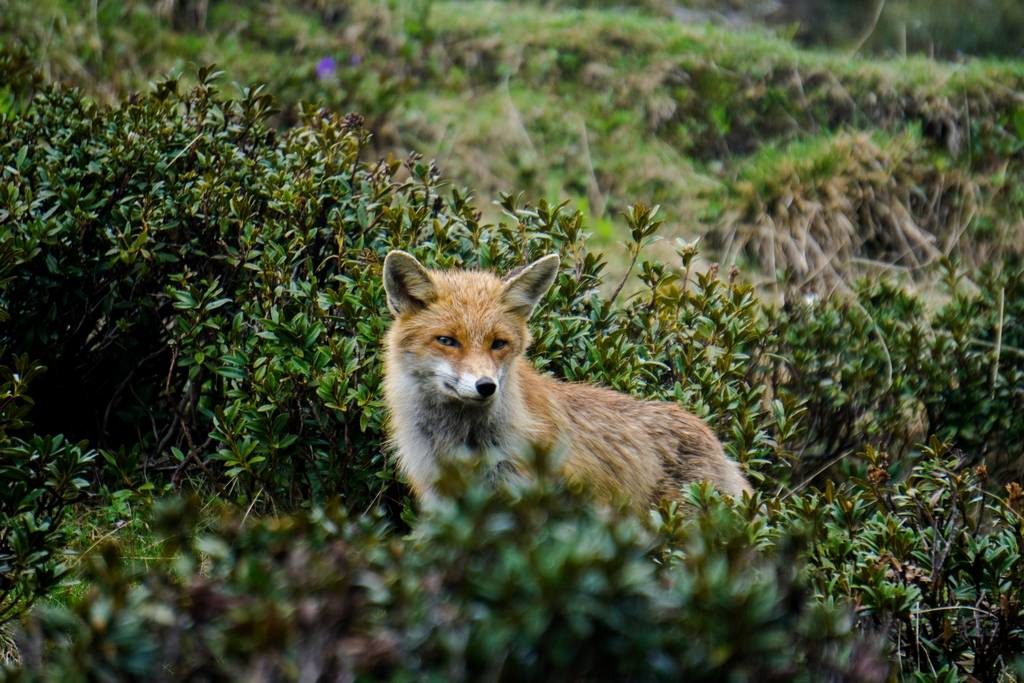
(498, 344)
(448, 341)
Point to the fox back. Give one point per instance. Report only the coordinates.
(457, 384)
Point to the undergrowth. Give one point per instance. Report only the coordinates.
(203, 291)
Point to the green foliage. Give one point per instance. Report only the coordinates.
(856, 364)
(533, 586)
(41, 479)
(880, 368)
(533, 583)
(933, 558)
(183, 267)
(980, 352)
(205, 292)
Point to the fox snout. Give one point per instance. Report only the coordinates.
(467, 385)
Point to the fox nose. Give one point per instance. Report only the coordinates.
(485, 386)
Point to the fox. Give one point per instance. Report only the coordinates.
(457, 383)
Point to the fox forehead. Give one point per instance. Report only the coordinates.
(467, 286)
(468, 305)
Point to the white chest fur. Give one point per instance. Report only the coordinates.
(429, 429)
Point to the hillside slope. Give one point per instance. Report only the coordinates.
(603, 107)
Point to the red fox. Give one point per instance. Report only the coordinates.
(457, 382)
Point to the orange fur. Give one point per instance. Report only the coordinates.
(441, 349)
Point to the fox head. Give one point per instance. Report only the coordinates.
(457, 333)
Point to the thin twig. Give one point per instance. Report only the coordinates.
(864, 37)
(951, 608)
(254, 499)
(185, 149)
(1004, 504)
(632, 262)
(818, 471)
(517, 118)
(999, 343)
(596, 196)
(117, 527)
(881, 340)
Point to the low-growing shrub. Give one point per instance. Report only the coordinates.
(930, 558)
(40, 479)
(536, 586)
(933, 559)
(886, 367)
(534, 583)
(975, 396)
(206, 293)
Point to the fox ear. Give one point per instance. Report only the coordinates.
(525, 287)
(407, 283)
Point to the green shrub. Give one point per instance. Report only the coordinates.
(536, 586)
(202, 291)
(883, 367)
(933, 559)
(206, 293)
(42, 477)
(976, 397)
(533, 583)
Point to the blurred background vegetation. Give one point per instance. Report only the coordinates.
(685, 106)
(193, 478)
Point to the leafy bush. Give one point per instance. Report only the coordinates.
(205, 293)
(183, 269)
(933, 559)
(532, 583)
(537, 586)
(977, 392)
(883, 368)
(41, 477)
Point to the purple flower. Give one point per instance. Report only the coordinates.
(355, 60)
(326, 68)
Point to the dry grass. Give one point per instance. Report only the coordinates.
(829, 211)
(9, 653)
